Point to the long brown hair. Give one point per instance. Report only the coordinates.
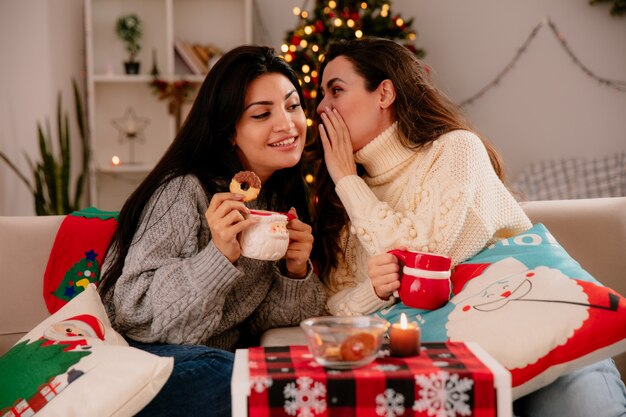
(422, 111)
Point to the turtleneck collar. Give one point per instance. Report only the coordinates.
(384, 152)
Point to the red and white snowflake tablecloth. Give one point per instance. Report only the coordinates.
(445, 380)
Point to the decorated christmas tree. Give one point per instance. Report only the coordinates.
(81, 274)
(27, 367)
(332, 20)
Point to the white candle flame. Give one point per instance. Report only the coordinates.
(403, 321)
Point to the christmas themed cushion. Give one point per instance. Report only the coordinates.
(531, 306)
(75, 364)
(77, 255)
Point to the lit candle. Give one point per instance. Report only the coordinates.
(404, 338)
(115, 161)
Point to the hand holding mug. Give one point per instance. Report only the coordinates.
(300, 246)
(383, 270)
(226, 218)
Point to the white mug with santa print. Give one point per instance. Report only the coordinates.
(267, 239)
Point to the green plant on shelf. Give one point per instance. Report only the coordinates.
(129, 29)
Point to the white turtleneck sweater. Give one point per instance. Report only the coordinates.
(444, 198)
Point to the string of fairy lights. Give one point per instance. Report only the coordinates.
(614, 84)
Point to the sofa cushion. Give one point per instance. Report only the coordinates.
(77, 255)
(592, 231)
(74, 364)
(531, 306)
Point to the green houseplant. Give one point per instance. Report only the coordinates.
(129, 29)
(50, 184)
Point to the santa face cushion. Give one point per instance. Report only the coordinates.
(531, 306)
(75, 364)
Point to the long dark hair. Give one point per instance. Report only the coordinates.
(203, 148)
(423, 113)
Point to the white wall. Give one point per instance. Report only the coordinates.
(41, 45)
(545, 108)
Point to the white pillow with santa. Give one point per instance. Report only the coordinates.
(75, 364)
(531, 306)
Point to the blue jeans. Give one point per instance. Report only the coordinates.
(593, 391)
(199, 384)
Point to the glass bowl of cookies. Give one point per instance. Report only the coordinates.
(344, 342)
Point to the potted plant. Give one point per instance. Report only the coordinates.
(129, 29)
(51, 175)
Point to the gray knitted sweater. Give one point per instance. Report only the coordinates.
(177, 287)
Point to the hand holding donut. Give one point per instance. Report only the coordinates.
(253, 185)
(300, 246)
(338, 152)
(226, 219)
(383, 270)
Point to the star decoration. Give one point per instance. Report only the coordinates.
(130, 126)
(91, 255)
(69, 292)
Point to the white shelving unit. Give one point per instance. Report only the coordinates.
(111, 93)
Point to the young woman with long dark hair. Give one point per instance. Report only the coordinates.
(174, 282)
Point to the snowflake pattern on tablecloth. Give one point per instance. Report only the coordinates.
(443, 395)
(260, 383)
(305, 397)
(389, 403)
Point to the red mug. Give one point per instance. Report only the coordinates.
(425, 279)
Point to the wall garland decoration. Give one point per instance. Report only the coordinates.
(615, 84)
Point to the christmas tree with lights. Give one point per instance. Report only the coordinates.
(333, 20)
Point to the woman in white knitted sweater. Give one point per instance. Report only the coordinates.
(402, 168)
(426, 181)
